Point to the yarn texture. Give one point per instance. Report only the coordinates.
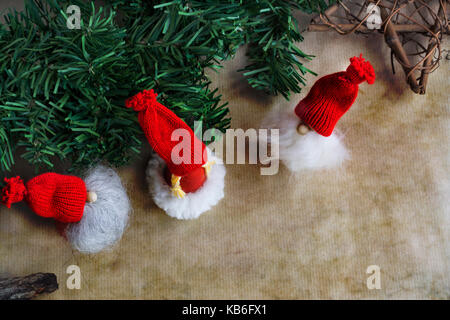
(158, 124)
(49, 195)
(360, 70)
(331, 96)
(193, 204)
(13, 192)
(104, 220)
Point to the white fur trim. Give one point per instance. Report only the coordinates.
(303, 152)
(193, 204)
(105, 220)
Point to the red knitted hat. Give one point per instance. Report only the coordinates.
(49, 195)
(332, 95)
(158, 124)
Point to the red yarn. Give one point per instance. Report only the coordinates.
(158, 124)
(332, 95)
(13, 192)
(49, 195)
(142, 101)
(360, 70)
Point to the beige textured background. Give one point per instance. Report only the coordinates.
(305, 236)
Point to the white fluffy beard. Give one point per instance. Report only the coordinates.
(305, 152)
(105, 220)
(194, 203)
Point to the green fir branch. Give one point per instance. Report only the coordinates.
(62, 91)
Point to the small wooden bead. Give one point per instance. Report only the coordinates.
(91, 197)
(302, 129)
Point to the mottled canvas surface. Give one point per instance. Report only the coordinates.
(304, 236)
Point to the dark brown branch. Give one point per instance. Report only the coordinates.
(432, 44)
(393, 41)
(348, 26)
(24, 288)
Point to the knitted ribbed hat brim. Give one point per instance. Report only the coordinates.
(57, 196)
(318, 113)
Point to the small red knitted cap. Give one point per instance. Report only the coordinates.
(49, 195)
(159, 124)
(332, 95)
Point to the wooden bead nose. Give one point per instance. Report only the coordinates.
(302, 129)
(91, 197)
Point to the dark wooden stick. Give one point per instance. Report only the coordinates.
(24, 288)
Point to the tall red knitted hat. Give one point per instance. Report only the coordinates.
(159, 124)
(332, 95)
(49, 195)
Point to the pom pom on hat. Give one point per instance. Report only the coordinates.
(360, 70)
(331, 96)
(142, 100)
(13, 192)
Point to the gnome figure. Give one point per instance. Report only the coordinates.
(306, 136)
(184, 177)
(91, 213)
